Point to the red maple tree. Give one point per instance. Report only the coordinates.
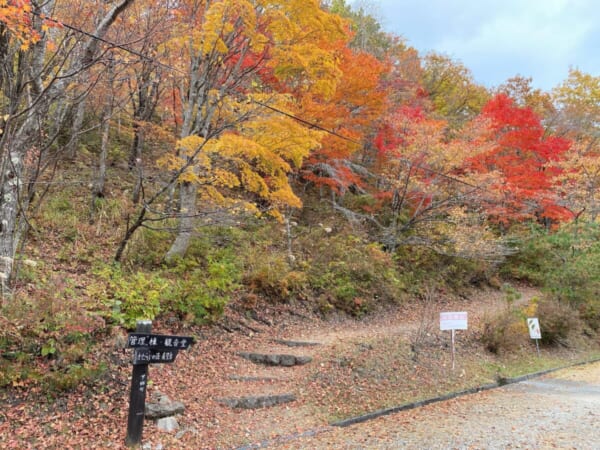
(523, 156)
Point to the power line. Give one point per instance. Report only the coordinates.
(106, 41)
(61, 183)
(264, 105)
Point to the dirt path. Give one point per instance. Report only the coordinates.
(355, 367)
(401, 322)
(557, 411)
(359, 367)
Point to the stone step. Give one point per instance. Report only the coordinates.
(256, 402)
(276, 359)
(254, 378)
(295, 343)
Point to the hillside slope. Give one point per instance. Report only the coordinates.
(391, 357)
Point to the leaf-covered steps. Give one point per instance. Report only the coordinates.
(295, 343)
(255, 402)
(276, 359)
(253, 378)
(273, 359)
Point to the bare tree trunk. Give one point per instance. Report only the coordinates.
(9, 211)
(138, 145)
(77, 126)
(28, 97)
(188, 193)
(100, 181)
(23, 89)
(147, 97)
(187, 190)
(89, 54)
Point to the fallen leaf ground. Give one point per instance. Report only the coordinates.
(394, 356)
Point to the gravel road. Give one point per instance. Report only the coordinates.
(561, 410)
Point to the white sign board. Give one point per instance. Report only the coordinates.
(534, 328)
(453, 321)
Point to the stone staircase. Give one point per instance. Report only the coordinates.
(274, 365)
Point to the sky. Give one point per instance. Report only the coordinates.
(498, 39)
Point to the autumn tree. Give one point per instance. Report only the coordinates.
(367, 33)
(423, 195)
(38, 65)
(578, 102)
(237, 64)
(351, 115)
(380, 73)
(578, 99)
(524, 95)
(449, 85)
(524, 157)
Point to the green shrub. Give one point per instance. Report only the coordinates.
(201, 290)
(271, 276)
(50, 329)
(72, 376)
(128, 297)
(566, 264)
(421, 266)
(590, 314)
(148, 247)
(199, 285)
(354, 275)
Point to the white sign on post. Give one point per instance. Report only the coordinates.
(453, 321)
(534, 328)
(535, 332)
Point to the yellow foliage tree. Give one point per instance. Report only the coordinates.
(239, 57)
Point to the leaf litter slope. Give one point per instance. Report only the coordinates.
(359, 366)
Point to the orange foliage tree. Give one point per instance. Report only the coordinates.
(351, 113)
(422, 191)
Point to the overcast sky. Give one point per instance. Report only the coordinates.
(497, 39)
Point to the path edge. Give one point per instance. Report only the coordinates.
(474, 390)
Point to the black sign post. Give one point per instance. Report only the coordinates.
(137, 397)
(147, 349)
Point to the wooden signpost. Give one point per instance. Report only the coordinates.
(147, 349)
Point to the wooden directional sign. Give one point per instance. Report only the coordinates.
(153, 355)
(162, 341)
(148, 349)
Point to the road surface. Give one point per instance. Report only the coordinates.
(560, 410)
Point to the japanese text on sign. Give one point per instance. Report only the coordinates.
(453, 321)
(153, 355)
(136, 340)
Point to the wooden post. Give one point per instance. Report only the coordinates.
(453, 349)
(137, 398)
